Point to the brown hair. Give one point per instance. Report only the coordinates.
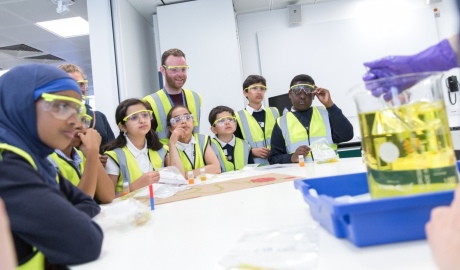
(173, 52)
(71, 68)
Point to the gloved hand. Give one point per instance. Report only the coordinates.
(439, 57)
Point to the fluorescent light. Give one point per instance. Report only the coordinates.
(3, 71)
(70, 27)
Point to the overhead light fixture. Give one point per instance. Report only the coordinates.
(63, 6)
(69, 27)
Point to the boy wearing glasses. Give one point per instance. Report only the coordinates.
(174, 69)
(81, 166)
(295, 131)
(233, 153)
(255, 122)
(99, 120)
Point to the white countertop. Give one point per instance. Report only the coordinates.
(198, 233)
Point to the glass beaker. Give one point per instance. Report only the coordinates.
(406, 137)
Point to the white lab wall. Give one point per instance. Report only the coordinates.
(135, 52)
(103, 59)
(274, 27)
(205, 31)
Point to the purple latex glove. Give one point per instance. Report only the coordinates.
(439, 57)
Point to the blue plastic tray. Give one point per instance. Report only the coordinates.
(373, 222)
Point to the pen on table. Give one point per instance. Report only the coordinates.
(152, 201)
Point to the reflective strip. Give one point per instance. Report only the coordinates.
(123, 165)
(161, 153)
(215, 145)
(290, 146)
(325, 116)
(247, 131)
(201, 140)
(196, 98)
(237, 163)
(162, 131)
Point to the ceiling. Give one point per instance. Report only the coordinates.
(18, 18)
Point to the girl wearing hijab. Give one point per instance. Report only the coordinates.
(50, 219)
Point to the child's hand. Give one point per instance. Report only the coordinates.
(261, 152)
(301, 150)
(176, 134)
(90, 141)
(146, 179)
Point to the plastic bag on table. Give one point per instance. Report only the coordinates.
(293, 247)
(322, 152)
(122, 214)
(171, 175)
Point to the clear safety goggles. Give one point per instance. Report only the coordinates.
(63, 107)
(176, 69)
(86, 120)
(179, 118)
(306, 88)
(136, 116)
(227, 119)
(256, 88)
(82, 83)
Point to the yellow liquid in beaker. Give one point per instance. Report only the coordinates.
(408, 150)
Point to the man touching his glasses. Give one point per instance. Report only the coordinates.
(256, 122)
(295, 131)
(174, 69)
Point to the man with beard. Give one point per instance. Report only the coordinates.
(174, 69)
(295, 131)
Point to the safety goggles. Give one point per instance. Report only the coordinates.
(82, 83)
(176, 69)
(179, 118)
(227, 119)
(63, 107)
(136, 116)
(86, 120)
(306, 88)
(256, 88)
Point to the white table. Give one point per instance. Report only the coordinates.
(198, 233)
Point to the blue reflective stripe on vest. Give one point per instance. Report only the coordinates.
(247, 131)
(217, 152)
(123, 165)
(161, 110)
(196, 98)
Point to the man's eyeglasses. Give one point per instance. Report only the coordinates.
(177, 119)
(136, 116)
(63, 107)
(82, 83)
(176, 69)
(86, 120)
(306, 88)
(256, 88)
(227, 119)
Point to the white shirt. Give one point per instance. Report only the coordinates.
(188, 148)
(141, 156)
(251, 110)
(223, 144)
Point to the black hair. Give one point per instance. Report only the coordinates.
(219, 109)
(168, 117)
(153, 141)
(302, 78)
(253, 79)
